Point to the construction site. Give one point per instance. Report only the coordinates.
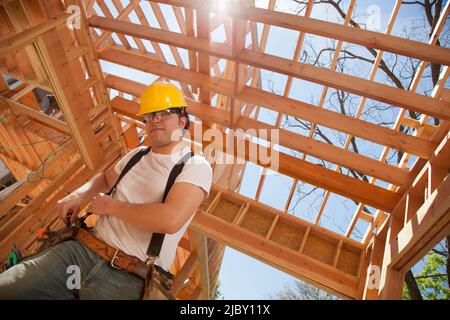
(65, 116)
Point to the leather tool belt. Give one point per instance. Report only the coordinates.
(157, 280)
(117, 259)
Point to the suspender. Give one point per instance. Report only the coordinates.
(157, 240)
(130, 164)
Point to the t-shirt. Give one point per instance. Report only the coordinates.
(145, 183)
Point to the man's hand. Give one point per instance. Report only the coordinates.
(69, 206)
(102, 204)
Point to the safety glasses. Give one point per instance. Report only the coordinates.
(162, 115)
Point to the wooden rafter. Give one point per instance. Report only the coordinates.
(365, 88)
(38, 116)
(412, 212)
(30, 35)
(327, 29)
(291, 166)
(224, 86)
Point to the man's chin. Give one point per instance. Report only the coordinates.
(159, 142)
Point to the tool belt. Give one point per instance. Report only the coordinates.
(156, 278)
(116, 258)
(158, 282)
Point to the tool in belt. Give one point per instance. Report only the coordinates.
(156, 278)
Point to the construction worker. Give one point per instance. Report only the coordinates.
(108, 260)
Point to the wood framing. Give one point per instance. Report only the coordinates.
(365, 38)
(289, 106)
(300, 169)
(39, 116)
(341, 81)
(219, 219)
(63, 119)
(30, 35)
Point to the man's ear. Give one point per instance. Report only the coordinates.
(182, 121)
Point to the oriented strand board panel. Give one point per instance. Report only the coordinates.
(288, 235)
(349, 259)
(205, 204)
(320, 248)
(257, 222)
(227, 210)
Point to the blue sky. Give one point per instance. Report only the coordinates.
(241, 276)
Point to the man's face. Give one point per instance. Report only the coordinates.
(165, 129)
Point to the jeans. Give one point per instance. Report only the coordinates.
(53, 274)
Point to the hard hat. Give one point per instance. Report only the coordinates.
(161, 96)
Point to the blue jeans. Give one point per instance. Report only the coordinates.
(51, 274)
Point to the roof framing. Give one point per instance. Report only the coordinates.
(223, 85)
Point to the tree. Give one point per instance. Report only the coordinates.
(433, 279)
(302, 291)
(218, 295)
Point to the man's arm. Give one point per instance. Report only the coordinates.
(101, 182)
(182, 201)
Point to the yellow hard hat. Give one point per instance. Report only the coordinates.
(161, 96)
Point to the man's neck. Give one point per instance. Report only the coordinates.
(169, 148)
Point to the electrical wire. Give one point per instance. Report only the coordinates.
(33, 143)
(41, 168)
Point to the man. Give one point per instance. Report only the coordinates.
(127, 218)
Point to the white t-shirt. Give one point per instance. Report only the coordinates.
(144, 183)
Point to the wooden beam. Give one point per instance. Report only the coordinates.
(370, 289)
(43, 85)
(334, 154)
(419, 221)
(288, 139)
(337, 121)
(391, 282)
(55, 61)
(13, 194)
(3, 2)
(35, 178)
(163, 24)
(273, 253)
(18, 41)
(41, 209)
(426, 210)
(10, 145)
(123, 15)
(189, 13)
(203, 61)
(12, 157)
(356, 85)
(38, 116)
(429, 225)
(366, 88)
(302, 170)
(333, 120)
(199, 247)
(240, 77)
(441, 155)
(22, 92)
(26, 58)
(366, 38)
(183, 274)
